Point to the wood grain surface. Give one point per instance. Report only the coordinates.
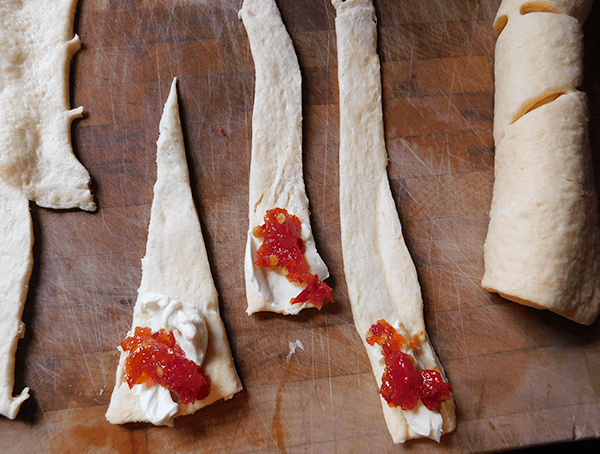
(521, 377)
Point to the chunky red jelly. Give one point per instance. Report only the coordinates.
(156, 358)
(402, 385)
(283, 250)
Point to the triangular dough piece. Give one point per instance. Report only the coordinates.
(36, 157)
(16, 262)
(176, 265)
(380, 274)
(276, 166)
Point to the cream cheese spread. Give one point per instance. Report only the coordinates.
(273, 286)
(158, 311)
(157, 404)
(425, 421)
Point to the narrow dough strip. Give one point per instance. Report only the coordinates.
(36, 48)
(16, 263)
(380, 274)
(276, 166)
(176, 264)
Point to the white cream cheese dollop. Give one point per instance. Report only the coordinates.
(273, 286)
(425, 421)
(157, 311)
(421, 419)
(157, 404)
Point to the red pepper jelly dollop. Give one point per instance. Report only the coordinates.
(156, 358)
(402, 385)
(283, 250)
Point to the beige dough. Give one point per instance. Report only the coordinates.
(543, 242)
(16, 262)
(579, 9)
(36, 157)
(380, 274)
(176, 265)
(534, 61)
(276, 165)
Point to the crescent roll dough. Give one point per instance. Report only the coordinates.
(380, 274)
(276, 166)
(36, 157)
(176, 265)
(543, 243)
(36, 47)
(16, 263)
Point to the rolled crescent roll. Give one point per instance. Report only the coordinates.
(542, 244)
(543, 241)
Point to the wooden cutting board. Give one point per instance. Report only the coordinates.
(521, 377)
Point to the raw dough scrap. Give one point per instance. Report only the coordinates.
(543, 242)
(16, 263)
(36, 157)
(380, 274)
(176, 265)
(36, 47)
(276, 166)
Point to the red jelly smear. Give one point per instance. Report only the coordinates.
(283, 250)
(433, 389)
(402, 385)
(156, 358)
